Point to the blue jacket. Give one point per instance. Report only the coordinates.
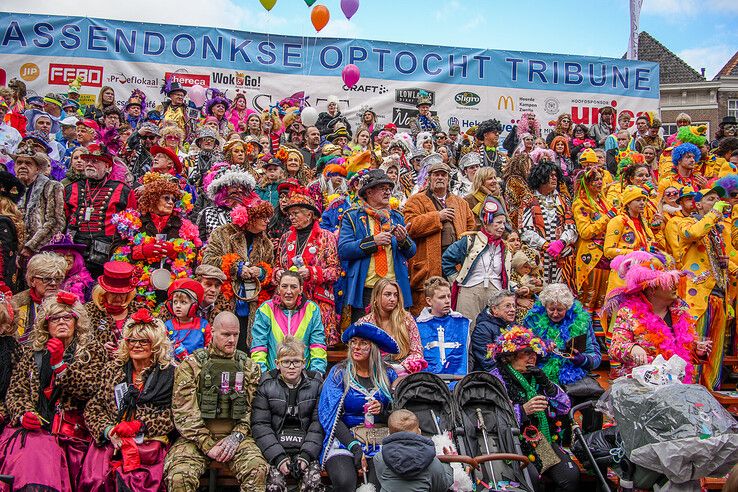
(356, 246)
(486, 331)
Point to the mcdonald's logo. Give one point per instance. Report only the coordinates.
(505, 101)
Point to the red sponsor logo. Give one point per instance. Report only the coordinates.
(3, 76)
(61, 74)
(189, 79)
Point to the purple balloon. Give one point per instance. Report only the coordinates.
(349, 7)
(350, 75)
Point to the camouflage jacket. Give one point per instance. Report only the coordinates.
(186, 408)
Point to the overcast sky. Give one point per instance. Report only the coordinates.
(702, 32)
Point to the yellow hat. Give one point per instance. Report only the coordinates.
(631, 193)
(588, 156)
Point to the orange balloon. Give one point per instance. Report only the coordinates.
(320, 17)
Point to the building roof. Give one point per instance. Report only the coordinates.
(672, 69)
(730, 69)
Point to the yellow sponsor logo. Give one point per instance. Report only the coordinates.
(29, 72)
(505, 101)
(87, 99)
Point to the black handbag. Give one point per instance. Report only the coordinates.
(291, 440)
(587, 388)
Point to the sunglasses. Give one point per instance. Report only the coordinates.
(50, 280)
(149, 137)
(168, 198)
(671, 193)
(141, 342)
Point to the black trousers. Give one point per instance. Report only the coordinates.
(343, 475)
(366, 299)
(564, 476)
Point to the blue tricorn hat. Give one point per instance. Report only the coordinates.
(374, 334)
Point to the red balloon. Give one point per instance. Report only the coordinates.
(350, 75)
(320, 17)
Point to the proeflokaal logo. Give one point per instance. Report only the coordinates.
(467, 99)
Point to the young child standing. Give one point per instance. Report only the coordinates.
(187, 331)
(444, 333)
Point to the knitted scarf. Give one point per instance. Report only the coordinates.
(530, 391)
(576, 322)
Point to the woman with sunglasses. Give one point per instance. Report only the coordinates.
(156, 235)
(130, 416)
(283, 419)
(47, 438)
(355, 404)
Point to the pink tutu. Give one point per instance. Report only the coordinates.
(39, 460)
(101, 472)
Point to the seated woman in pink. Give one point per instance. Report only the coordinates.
(650, 318)
(388, 312)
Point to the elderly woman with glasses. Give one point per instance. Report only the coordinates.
(44, 274)
(47, 438)
(313, 252)
(284, 419)
(157, 235)
(130, 416)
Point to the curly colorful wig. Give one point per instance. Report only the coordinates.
(524, 124)
(686, 148)
(156, 185)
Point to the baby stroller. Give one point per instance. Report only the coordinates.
(669, 435)
(438, 411)
(489, 427)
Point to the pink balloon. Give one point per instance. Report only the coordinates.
(350, 75)
(349, 7)
(197, 94)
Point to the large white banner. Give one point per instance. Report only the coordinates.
(467, 85)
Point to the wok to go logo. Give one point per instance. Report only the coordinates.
(467, 99)
(505, 101)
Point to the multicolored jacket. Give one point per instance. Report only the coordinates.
(273, 323)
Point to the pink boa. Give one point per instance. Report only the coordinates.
(78, 283)
(678, 340)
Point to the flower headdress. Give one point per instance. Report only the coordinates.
(515, 339)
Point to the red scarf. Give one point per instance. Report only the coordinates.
(307, 255)
(113, 310)
(492, 242)
(35, 297)
(160, 221)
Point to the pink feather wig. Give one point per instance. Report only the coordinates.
(538, 155)
(524, 125)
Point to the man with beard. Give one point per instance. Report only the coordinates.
(311, 151)
(436, 219)
(212, 279)
(91, 204)
(727, 128)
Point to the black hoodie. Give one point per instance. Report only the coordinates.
(408, 463)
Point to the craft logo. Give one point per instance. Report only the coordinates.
(189, 79)
(401, 116)
(238, 79)
(410, 96)
(505, 101)
(551, 106)
(29, 72)
(137, 80)
(467, 99)
(62, 74)
(374, 89)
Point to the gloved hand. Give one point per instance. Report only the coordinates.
(414, 366)
(721, 206)
(149, 251)
(358, 454)
(127, 428)
(555, 248)
(579, 359)
(549, 388)
(171, 253)
(56, 355)
(299, 466)
(30, 421)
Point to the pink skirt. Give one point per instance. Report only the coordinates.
(39, 460)
(101, 472)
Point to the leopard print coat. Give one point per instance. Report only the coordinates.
(102, 411)
(103, 325)
(79, 382)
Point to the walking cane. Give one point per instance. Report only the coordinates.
(481, 425)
